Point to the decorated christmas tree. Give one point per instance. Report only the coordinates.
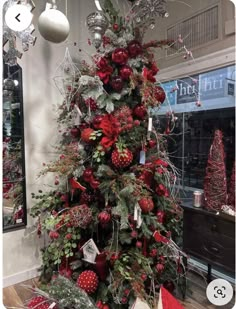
(215, 183)
(114, 219)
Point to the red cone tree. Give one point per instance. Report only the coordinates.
(231, 190)
(215, 185)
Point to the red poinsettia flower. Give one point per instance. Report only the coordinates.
(162, 191)
(104, 70)
(159, 238)
(110, 130)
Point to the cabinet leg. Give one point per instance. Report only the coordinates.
(208, 273)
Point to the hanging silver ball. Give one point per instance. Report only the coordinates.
(8, 84)
(97, 25)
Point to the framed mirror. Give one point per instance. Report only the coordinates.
(14, 193)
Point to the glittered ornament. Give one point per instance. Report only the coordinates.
(125, 72)
(134, 48)
(160, 216)
(120, 56)
(104, 217)
(121, 158)
(140, 111)
(54, 26)
(117, 83)
(159, 94)
(81, 216)
(146, 204)
(88, 281)
(86, 135)
(96, 121)
(97, 24)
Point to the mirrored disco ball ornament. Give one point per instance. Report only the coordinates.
(54, 26)
(97, 25)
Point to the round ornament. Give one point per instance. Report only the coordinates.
(39, 302)
(120, 56)
(104, 217)
(81, 216)
(159, 94)
(54, 26)
(121, 158)
(88, 281)
(140, 111)
(146, 204)
(117, 83)
(125, 72)
(134, 48)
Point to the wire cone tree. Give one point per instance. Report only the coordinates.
(215, 182)
(231, 191)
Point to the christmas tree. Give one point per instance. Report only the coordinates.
(231, 190)
(114, 219)
(215, 183)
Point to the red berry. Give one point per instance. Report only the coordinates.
(153, 252)
(139, 244)
(99, 304)
(160, 267)
(136, 122)
(144, 277)
(130, 119)
(97, 120)
(124, 300)
(146, 204)
(115, 27)
(68, 236)
(105, 307)
(126, 292)
(121, 159)
(129, 126)
(152, 143)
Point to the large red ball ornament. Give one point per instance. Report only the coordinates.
(146, 204)
(120, 56)
(134, 48)
(159, 94)
(125, 72)
(88, 281)
(140, 111)
(117, 83)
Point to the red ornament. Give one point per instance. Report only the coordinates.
(88, 174)
(169, 285)
(105, 307)
(117, 83)
(121, 158)
(39, 302)
(161, 190)
(140, 111)
(104, 217)
(97, 120)
(160, 216)
(88, 281)
(134, 234)
(160, 267)
(152, 143)
(86, 134)
(144, 277)
(104, 70)
(74, 132)
(125, 72)
(116, 27)
(139, 244)
(146, 204)
(159, 94)
(153, 252)
(120, 56)
(134, 48)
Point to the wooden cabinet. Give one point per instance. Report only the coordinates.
(209, 237)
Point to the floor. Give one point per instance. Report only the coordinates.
(17, 295)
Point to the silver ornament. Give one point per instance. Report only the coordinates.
(8, 84)
(97, 25)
